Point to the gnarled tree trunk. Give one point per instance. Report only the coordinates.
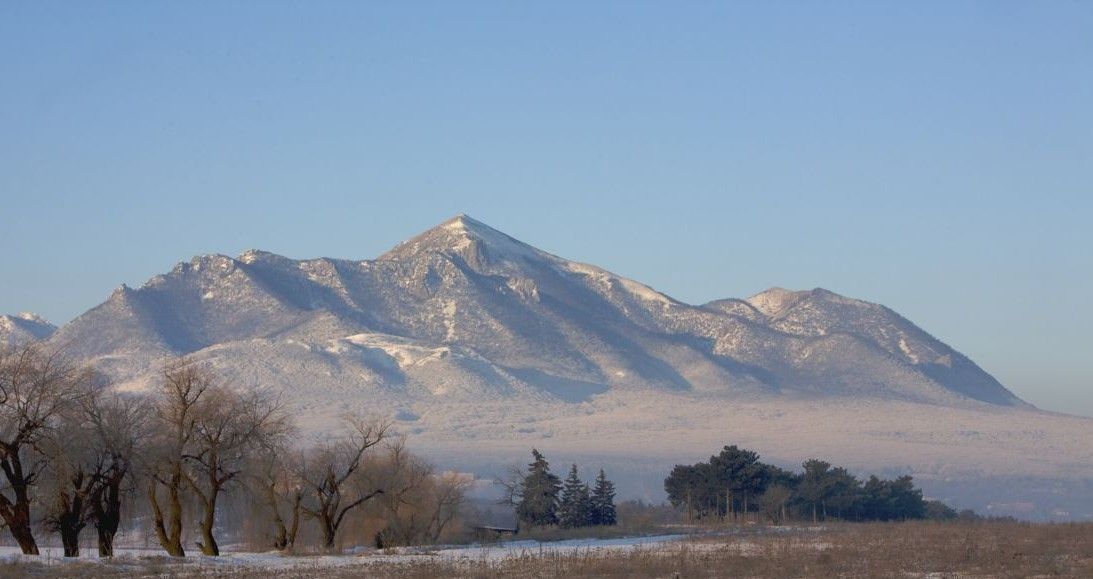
(169, 538)
(19, 526)
(16, 514)
(208, 543)
(107, 514)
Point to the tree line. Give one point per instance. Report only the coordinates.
(541, 499)
(735, 482)
(77, 453)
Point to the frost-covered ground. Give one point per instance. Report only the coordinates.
(136, 557)
(904, 549)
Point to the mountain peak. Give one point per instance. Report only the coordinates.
(32, 317)
(774, 300)
(466, 225)
(24, 326)
(467, 237)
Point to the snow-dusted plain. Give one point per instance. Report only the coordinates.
(127, 558)
(482, 347)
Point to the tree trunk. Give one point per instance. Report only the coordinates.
(106, 542)
(25, 537)
(329, 533)
(108, 517)
(813, 512)
(19, 524)
(70, 539)
(208, 542)
(280, 537)
(170, 540)
(175, 515)
(71, 520)
(295, 525)
(16, 514)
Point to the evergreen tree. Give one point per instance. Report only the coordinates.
(603, 502)
(584, 506)
(539, 494)
(844, 494)
(816, 485)
(741, 477)
(696, 489)
(575, 509)
(735, 476)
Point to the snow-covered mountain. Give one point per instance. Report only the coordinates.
(24, 327)
(482, 345)
(508, 319)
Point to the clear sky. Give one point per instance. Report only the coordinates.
(936, 157)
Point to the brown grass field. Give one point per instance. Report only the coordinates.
(867, 550)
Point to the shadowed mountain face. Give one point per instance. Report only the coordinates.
(464, 311)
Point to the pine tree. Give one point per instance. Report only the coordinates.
(603, 502)
(741, 475)
(539, 494)
(815, 485)
(584, 506)
(575, 509)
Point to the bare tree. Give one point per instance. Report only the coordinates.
(327, 472)
(276, 481)
(182, 389)
(117, 424)
(227, 425)
(71, 480)
(417, 504)
(450, 491)
(404, 480)
(89, 455)
(512, 485)
(36, 387)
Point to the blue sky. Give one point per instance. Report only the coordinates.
(936, 157)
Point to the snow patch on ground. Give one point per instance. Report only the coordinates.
(362, 557)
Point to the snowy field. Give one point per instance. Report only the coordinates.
(133, 558)
(905, 550)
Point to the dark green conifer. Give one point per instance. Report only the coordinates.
(539, 494)
(575, 508)
(603, 502)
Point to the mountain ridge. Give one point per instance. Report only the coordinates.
(533, 316)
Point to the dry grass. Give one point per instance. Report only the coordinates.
(881, 550)
(1001, 550)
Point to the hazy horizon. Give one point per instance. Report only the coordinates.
(930, 157)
